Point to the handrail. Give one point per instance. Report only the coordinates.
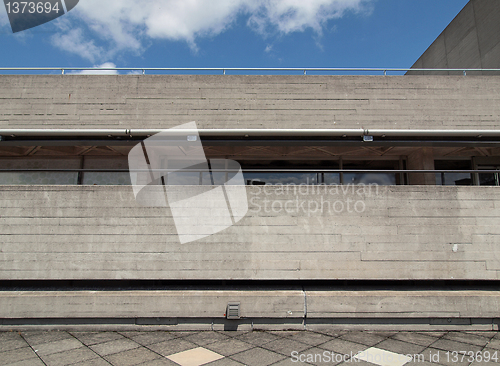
(246, 132)
(223, 70)
(384, 171)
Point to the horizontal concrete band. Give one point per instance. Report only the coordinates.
(288, 233)
(249, 102)
(292, 304)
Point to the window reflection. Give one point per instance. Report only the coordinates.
(382, 179)
(38, 178)
(453, 179)
(281, 178)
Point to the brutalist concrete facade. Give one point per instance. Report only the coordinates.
(410, 253)
(470, 42)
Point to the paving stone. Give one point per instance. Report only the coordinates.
(382, 357)
(257, 357)
(5, 336)
(494, 343)
(8, 335)
(57, 346)
(367, 338)
(229, 346)
(343, 347)
(359, 362)
(90, 338)
(467, 338)
(224, 362)
(234, 333)
(181, 334)
(204, 338)
(195, 357)
(384, 334)
(433, 334)
(12, 343)
(333, 333)
(28, 362)
(417, 338)
(93, 362)
(285, 346)
(452, 346)
(419, 362)
(108, 348)
(131, 357)
(19, 354)
(147, 338)
(283, 333)
(400, 347)
(258, 338)
(168, 348)
(310, 338)
(37, 337)
(289, 362)
(486, 333)
(82, 354)
(131, 333)
(61, 348)
(159, 362)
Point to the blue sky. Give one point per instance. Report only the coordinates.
(232, 33)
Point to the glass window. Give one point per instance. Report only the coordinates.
(281, 178)
(453, 179)
(30, 177)
(332, 178)
(382, 179)
(106, 178)
(38, 178)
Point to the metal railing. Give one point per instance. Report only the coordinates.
(367, 171)
(238, 70)
(320, 173)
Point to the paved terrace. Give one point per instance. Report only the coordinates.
(33, 348)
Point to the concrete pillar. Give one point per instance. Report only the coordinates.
(421, 159)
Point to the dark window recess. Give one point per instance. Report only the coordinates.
(382, 179)
(453, 179)
(281, 176)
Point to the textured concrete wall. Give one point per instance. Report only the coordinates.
(293, 305)
(472, 41)
(397, 232)
(131, 102)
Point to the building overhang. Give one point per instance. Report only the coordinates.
(256, 137)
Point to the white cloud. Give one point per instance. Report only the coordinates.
(127, 24)
(96, 71)
(296, 15)
(74, 41)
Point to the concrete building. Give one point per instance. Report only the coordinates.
(471, 41)
(416, 245)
